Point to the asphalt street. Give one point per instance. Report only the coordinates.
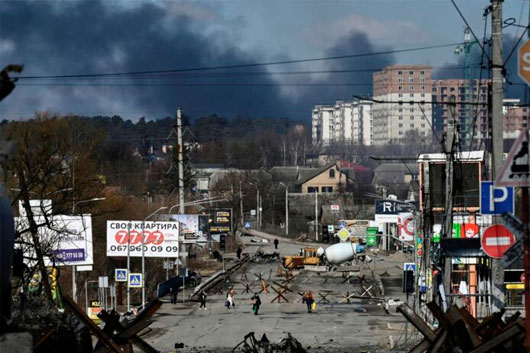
(334, 326)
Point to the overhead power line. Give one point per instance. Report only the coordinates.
(244, 74)
(238, 66)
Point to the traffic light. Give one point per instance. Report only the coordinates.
(325, 234)
(408, 281)
(222, 241)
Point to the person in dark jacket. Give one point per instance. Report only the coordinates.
(256, 302)
(173, 292)
(202, 298)
(276, 242)
(238, 253)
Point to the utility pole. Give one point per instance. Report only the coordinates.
(180, 160)
(316, 215)
(497, 143)
(450, 142)
(241, 206)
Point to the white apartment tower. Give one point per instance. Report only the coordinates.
(404, 95)
(347, 122)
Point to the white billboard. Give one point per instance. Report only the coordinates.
(193, 228)
(160, 238)
(65, 240)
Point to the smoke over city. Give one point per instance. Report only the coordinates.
(87, 37)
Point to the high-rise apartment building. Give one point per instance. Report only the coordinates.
(470, 109)
(347, 122)
(403, 95)
(516, 118)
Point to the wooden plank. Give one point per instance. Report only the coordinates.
(113, 347)
(498, 340)
(417, 322)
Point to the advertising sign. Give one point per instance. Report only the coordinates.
(160, 238)
(387, 211)
(67, 238)
(193, 227)
(220, 221)
(406, 226)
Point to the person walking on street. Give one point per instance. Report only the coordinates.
(230, 299)
(238, 252)
(173, 292)
(276, 242)
(202, 298)
(256, 302)
(308, 299)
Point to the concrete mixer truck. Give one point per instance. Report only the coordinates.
(339, 253)
(332, 255)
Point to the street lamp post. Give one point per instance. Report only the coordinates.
(143, 252)
(286, 208)
(258, 213)
(74, 284)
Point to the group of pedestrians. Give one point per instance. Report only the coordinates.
(256, 300)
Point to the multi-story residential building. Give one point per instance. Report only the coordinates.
(516, 118)
(470, 110)
(404, 95)
(347, 122)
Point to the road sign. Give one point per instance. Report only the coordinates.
(135, 280)
(247, 225)
(343, 234)
(496, 240)
(523, 62)
(495, 199)
(409, 266)
(120, 275)
(515, 170)
(103, 282)
(371, 236)
(335, 207)
(342, 224)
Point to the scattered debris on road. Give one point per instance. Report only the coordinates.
(250, 344)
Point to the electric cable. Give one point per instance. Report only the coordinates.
(237, 66)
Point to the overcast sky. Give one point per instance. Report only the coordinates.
(97, 37)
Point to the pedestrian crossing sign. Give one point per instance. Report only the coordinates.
(135, 280)
(120, 275)
(409, 266)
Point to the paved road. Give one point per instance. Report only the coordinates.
(333, 325)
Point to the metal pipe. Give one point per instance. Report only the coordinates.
(143, 252)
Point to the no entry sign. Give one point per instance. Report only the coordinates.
(496, 240)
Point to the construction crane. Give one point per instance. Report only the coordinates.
(464, 112)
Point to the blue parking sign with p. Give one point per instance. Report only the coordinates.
(120, 275)
(496, 199)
